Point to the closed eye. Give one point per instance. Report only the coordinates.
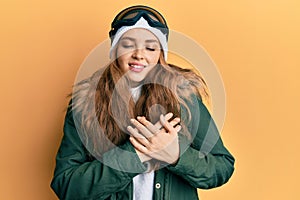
(150, 49)
(127, 46)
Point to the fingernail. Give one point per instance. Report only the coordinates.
(170, 114)
(139, 118)
(132, 120)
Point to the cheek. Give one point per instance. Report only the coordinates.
(122, 63)
(155, 58)
(122, 52)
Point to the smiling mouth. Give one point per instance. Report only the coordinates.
(136, 67)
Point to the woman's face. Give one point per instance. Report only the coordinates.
(138, 51)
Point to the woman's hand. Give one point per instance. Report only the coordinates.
(151, 141)
(143, 157)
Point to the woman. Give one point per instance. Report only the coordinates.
(138, 129)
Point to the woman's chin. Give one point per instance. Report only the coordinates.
(135, 81)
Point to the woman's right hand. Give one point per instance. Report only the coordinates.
(158, 141)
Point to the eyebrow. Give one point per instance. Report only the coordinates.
(148, 41)
(133, 39)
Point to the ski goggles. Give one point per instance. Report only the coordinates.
(130, 15)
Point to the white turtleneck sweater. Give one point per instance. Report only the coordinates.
(142, 183)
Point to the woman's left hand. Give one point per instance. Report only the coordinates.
(161, 144)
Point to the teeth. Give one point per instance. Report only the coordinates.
(137, 66)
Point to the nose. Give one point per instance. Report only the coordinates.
(138, 54)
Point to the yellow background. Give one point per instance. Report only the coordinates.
(255, 45)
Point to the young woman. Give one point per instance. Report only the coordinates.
(138, 129)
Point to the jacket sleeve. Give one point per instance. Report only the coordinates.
(205, 163)
(78, 177)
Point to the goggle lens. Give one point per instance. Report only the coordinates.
(131, 15)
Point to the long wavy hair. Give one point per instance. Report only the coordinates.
(104, 106)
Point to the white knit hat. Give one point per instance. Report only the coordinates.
(141, 23)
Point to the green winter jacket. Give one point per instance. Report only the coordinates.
(77, 176)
